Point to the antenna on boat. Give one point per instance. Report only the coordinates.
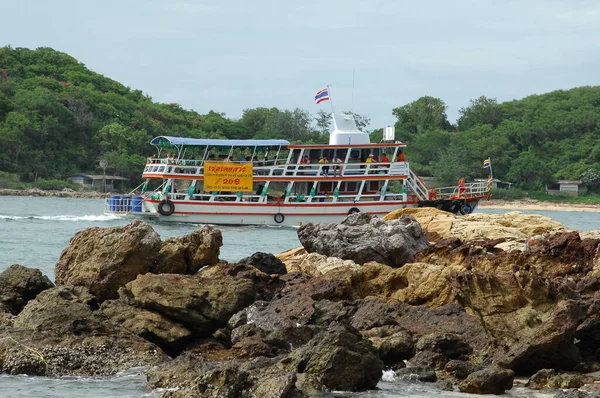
(353, 90)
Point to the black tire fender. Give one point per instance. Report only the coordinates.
(170, 207)
(439, 204)
(455, 207)
(354, 210)
(465, 209)
(278, 218)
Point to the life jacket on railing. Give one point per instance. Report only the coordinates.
(433, 195)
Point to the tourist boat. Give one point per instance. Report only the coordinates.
(273, 182)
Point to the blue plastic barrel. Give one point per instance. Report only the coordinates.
(136, 204)
(114, 203)
(125, 203)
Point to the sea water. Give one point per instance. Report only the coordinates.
(34, 231)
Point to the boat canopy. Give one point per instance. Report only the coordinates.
(163, 141)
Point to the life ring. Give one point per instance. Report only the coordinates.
(278, 218)
(465, 209)
(170, 207)
(353, 210)
(455, 207)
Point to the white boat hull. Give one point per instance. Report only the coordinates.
(239, 213)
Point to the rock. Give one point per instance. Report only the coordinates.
(459, 369)
(267, 263)
(315, 264)
(20, 284)
(572, 393)
(188, 253)
(337, 359)
(61, 333)
(64, 309)
(363, 238)
(428, 359)
(417, 373)
(105, 259)
(447, 344)
(190, 376)
(203, 302)
(395, 347)
(528, 327)
(491, 380)
(549, 378)
(152, 326)
(512, 226)
(373, 312)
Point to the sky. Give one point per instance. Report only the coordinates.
(376, 55)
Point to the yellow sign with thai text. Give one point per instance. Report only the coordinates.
(228, 176)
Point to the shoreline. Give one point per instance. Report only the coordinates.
(492, 204)
(65, 193)
(500, 204)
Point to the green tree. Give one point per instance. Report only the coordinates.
(591, 180)
(529, 171)
(426, 113)
(482, 110)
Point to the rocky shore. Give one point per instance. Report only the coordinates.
(64, 193)
(466, 303)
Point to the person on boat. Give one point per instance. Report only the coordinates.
(384, 159)
(461, 187)
(401, 157)
(152, 159)
(325, 169)
(337, 169)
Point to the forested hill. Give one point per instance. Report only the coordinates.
(531, 142)
(58, 118)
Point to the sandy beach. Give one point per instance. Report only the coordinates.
(536, 205)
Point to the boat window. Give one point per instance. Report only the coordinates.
(355, 154)
(328, 153)
(341, 154)
(314, 155)
(295, 156)
(350, 186)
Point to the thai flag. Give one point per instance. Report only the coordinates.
(487, 164)
(322, 95)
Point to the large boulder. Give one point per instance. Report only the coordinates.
(338, 359)
(203, 302)
(20, 284)
(188, 253)
(529, 327)
(105, 259)
(491, 380)
(152, 326)
(512, 226)
(363, 238)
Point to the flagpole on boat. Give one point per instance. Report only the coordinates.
(330, 98)
(491, 172)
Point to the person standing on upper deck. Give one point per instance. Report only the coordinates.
(401, 156)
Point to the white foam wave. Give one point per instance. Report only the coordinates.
(93, 218)
(388, 375)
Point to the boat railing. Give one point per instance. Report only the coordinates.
(291, 199)
(291, 170)
(417, 186)
(478, 188)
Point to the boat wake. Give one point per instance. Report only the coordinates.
(92, 218)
